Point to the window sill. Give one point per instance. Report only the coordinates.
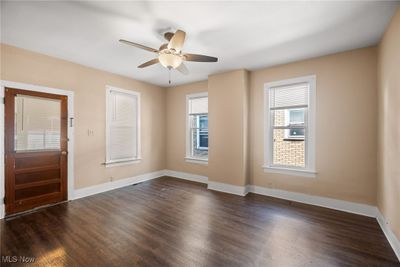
(196, 160)
(288, 171)
(121, 163)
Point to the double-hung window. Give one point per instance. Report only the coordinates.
(290, 126)
(122, 126)
(197, 128)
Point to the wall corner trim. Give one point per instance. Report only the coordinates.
(228, 188)
(187, 176)
(390, 235)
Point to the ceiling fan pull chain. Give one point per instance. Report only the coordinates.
(169, 75)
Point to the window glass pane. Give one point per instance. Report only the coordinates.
(280, 117)
(37, 123)
(193, 121)
(296, 116)
(288, 152)
(203, 122)
(288, 117)
(296, 132)
(199, 143)
(203, 140)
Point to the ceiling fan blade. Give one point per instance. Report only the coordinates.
(183, 69)
(177, 41)
(149, 63)
(199, 58)
(139, 46)
(168, 36)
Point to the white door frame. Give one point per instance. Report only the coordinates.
(70, 128)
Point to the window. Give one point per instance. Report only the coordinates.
(197, 128)
(123, 126)
(37, 123)
(289, 132)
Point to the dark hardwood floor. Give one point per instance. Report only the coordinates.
(170, 222)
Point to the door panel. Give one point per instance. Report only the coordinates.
(35, 148)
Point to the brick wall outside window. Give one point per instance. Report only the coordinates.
(289, 153)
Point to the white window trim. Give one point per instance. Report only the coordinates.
(196, 160)
(309, 170)
(188, 157)
(113, 163)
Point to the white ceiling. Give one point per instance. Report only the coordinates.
(249, 35)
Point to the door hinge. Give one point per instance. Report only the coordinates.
(4, 200)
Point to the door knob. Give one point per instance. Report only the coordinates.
(63, 152)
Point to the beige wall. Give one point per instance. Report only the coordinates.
(228, 126)
(89, 86)
(389, 125)
(346, 122)
(346, 133)
(345, 126)
(176, 128)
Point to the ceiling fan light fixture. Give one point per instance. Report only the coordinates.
(170, 60)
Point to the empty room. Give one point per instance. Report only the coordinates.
(200, 133)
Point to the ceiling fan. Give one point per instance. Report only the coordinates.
(170, 54)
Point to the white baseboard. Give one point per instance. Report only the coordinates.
(227, 188)
(96, 189)
(325, 202)
(390, 235)
(186, 176)
(347, 206)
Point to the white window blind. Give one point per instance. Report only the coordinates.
(122, 125)
(198, 105)
(292, 96)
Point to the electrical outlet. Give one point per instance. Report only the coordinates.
(90, 132)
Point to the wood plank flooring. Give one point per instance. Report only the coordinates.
(170, 222)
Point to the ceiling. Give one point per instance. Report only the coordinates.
(249, 35)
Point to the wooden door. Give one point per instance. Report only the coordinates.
(35, 149)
